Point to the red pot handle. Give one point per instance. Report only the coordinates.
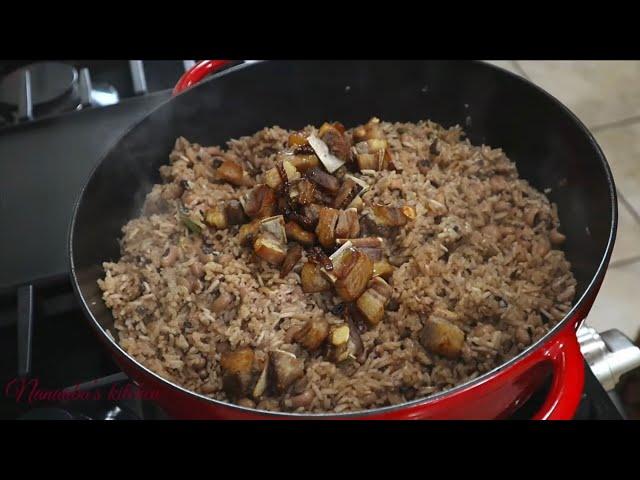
(197, 73)
(568, 377)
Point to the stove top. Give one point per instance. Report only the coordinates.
(34, 90)
(45, 159)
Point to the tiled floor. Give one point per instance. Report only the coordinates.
(605, 95)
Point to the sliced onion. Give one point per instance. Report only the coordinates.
(330, 162)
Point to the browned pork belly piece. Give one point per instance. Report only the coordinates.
(312, 334)
(442, 337)
(299, 234)
(297, 139)
(260, 202)
(335, 139)
(225, 215)
(269, 249)
(273, 177)
(216, 217)
(383, 269)
(237, 371)
(318, 176)
(371, 129)
(345, 343)
(372, 246)
(303, 191)
(312, 279)
(392, 216)
(346, 193)
(348, 225)
(326, 229)
(285, 369)
(230, 171)
(374, 299)
(371, 148)
(352, 270)
(294, 254)
(304, 162)
(312, 213)
(271, 242)
(248, 232)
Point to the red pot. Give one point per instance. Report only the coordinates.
(496, 394)
(492, 397)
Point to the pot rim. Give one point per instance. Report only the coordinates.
(424, 401)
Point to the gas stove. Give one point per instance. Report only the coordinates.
(33, 90)
(58, 119)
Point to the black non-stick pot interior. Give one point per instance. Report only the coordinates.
(550, 147)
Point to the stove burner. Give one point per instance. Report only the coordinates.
(48, 88)
(49, 81)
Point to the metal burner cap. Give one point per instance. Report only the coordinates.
(49, 81)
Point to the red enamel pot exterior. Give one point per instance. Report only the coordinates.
(496, 397)
(492, 396)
